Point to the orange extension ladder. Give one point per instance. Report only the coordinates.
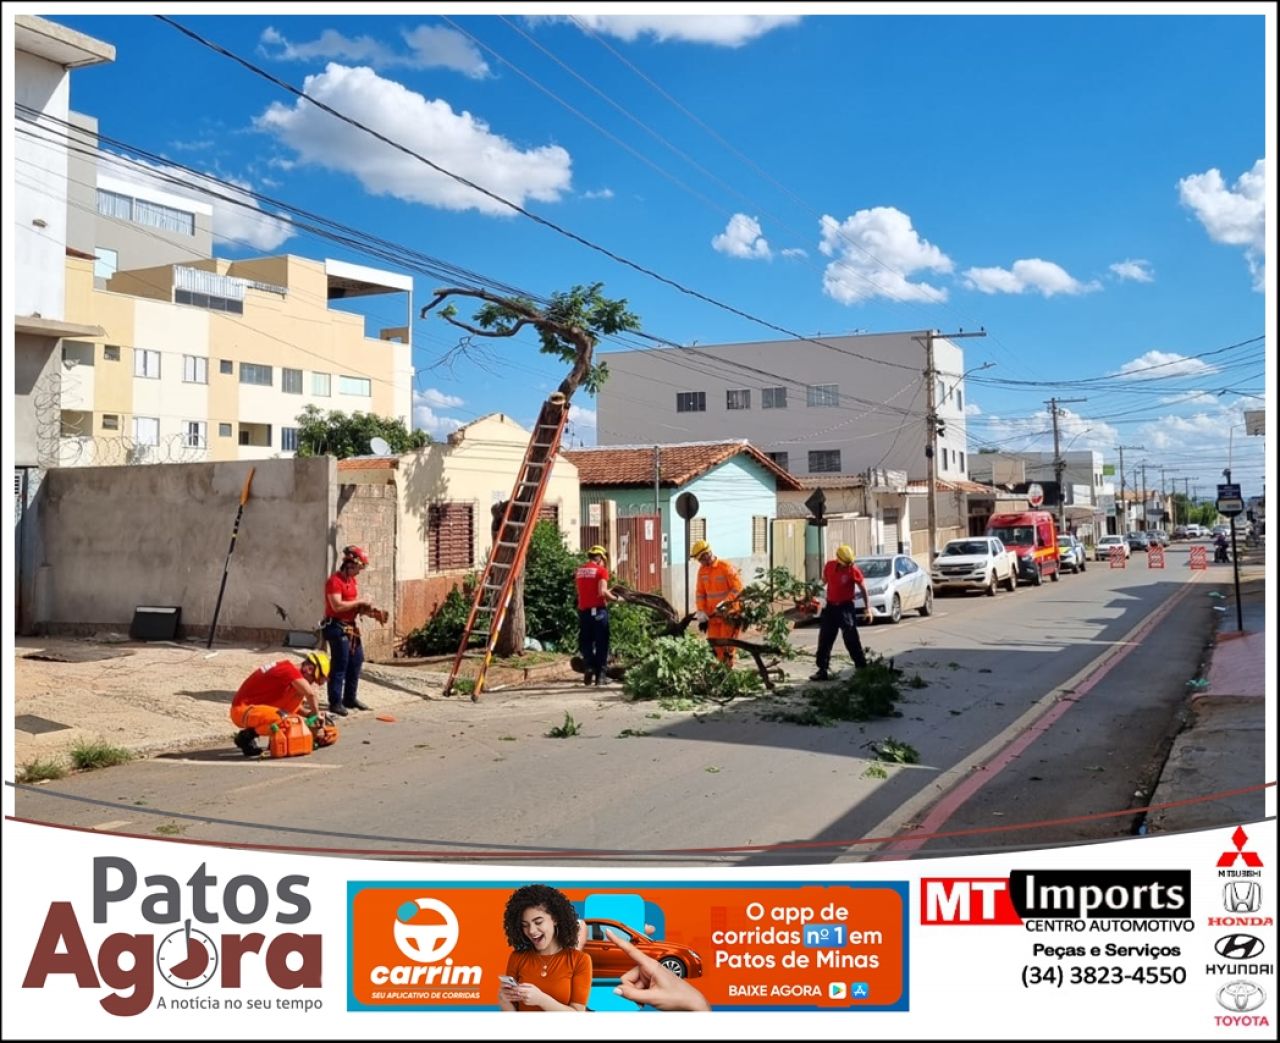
(511, 545)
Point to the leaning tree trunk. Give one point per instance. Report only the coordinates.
(511, 636)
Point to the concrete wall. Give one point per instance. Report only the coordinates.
(39, 226)
(868, 425)
(366, 517)
(35, 368)
(113, 538)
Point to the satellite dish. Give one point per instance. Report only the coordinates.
(379, 446)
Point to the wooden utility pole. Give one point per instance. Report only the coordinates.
(1059, 464)
(1123, 522)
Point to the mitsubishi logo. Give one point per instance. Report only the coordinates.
(1242, 896)
(1228, 858)
(1239, 946)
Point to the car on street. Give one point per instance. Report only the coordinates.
(1158, 536)
(609, 961)
(1220, 530)
(1180, 532)
(896, 585)
(975, 563)
(1071, 552)
(1102, 551)
(1194, 532)
(1138, 541)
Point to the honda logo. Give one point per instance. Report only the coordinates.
(1239, 946)
(1242, 896)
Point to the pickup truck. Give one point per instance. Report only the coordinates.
(975, 563)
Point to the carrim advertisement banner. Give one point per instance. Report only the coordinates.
(1159, 937)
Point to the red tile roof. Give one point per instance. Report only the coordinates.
(368, 463)
(633, 465)
(951, 485)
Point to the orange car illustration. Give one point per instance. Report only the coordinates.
(609, 961)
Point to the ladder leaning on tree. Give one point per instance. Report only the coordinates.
(511, 544)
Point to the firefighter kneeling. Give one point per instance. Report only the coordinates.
(268, 702)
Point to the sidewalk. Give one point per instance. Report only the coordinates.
(1224, 743)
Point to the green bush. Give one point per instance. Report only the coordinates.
(632, 631)
(684, 668)
(550, 597)
(442, 632)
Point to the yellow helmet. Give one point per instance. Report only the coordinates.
(844, 553)
(597, 551)
(699, 547)
(319, 660)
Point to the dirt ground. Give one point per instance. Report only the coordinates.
(149, 697)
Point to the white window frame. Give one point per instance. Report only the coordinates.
(773, 398)
(358, 386)
(105, 262)
(195, 369)
(286, 434)
(254, 369)
(825, 470)
(141, 422)
(322, 384)
(195, 434)
(224, 430)
(737, 398)
(822, 396)
(143, 359)
(285, 374)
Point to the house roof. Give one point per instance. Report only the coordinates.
(681, 462)
(368, 463)
(918, 486)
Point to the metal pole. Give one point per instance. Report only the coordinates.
(687, 525)
(1124, 511)
(1145, 495)
(931, 447)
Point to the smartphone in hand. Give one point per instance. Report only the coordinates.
(508, 981)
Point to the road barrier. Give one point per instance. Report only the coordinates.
(1196, 558)
(1117, 557)
(1155, 557)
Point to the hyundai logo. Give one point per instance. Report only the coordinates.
(1239, 946)
(1241, 996)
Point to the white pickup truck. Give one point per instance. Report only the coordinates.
(975, 563)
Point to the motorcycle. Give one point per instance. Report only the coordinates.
(1220, 556)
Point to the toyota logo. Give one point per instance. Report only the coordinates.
(1239, 946)
(1241, 996)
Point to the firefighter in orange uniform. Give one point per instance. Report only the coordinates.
(718, 588)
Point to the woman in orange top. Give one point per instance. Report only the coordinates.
(718, 588)
(550, 971)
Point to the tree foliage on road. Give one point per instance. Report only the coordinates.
(350, 434)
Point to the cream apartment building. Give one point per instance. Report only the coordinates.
(214, 359)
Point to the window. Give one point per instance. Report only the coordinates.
(942, 392)
(113, 204)
(824, 461)
(759, 534)
(738, 399)
(146, 363)
(781, 459)
(354, 386)
(697, 530)
(244, 436)
(226, 366)
(111, 352)
(208, 300)
(691, 401)
(250, 373)
(146, 430)
(166, 218)
(105, 262)
(822, 395)
(450, 536)
(962, 462)
(195, 370)
(194, 434)
(291, 381)
(289, 439)
(111, 421)
(944, 458)
(76, 423)
(321, 383)
(224, 430)
(959, 400)
(774, 398)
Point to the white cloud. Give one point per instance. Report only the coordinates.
(972, 409)
(1137, 270)
(1031, 434)
(1155, 365)
(459, 142)
(1190, 398)
(437, 399)
(584, 424)
(430, 47)
(742, 238)
(1043, 277)
(1181, 432)
(1233, 216)
(721, 30)
(237, 218)
(425, 404)
(604, 193)
(876, 251)
(794, 251)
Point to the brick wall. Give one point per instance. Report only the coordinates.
(417, 600)
(367, 517)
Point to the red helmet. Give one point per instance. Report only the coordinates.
(356, 554)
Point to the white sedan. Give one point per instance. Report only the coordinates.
(1103, 550)
(896, 585)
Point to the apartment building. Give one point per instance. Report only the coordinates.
(214, 359)
(839, 407)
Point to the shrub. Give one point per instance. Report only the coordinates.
(684, 668)
(550, 597)
(442, 632)
(41, 771)
(88, 756)
(632, 630)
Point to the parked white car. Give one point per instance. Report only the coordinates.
(1071, 552)
(975, 563)
(896, 585)
(1102, 551)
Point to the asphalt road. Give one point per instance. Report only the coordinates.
(1104, 655)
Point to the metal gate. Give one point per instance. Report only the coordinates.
(788, 545)
(640, 552)
(856, 532)
(891, 537)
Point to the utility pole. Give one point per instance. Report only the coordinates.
(1162, 496)
(1144, 495)
(932, 424)
(1124, 508)
(1059, 464)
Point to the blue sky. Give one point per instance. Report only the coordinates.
(1087, 188)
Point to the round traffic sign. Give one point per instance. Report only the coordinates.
(1035, 495)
